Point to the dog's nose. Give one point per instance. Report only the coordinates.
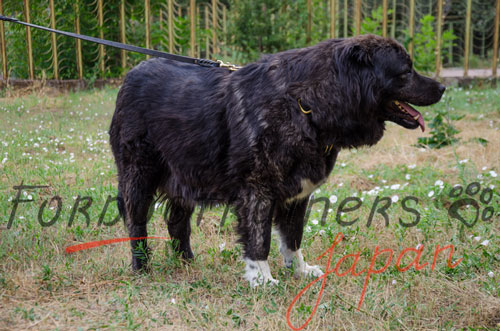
(442, 88)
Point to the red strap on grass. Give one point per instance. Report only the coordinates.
(92, 244)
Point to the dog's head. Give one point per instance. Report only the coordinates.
(388, 84)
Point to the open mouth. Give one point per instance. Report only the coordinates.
(405, 115)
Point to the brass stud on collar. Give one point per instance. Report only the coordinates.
(328, 149)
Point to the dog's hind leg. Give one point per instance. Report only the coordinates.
(139, 186)
(121, 205)
(179, 227)
(289, 222)
(254, 228)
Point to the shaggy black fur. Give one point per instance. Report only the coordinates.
(199, 135)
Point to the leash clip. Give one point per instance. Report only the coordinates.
(230, 66)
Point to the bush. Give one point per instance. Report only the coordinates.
(424, 45)
(443, 131)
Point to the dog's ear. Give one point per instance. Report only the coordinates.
(353, 64)
(354, 53)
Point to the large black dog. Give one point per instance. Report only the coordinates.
(261, 138)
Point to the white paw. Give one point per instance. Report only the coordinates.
(258, 273)
(307, 270)
(261, 280)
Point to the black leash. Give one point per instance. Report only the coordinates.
(131, 48)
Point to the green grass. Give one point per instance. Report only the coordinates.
(62, 142)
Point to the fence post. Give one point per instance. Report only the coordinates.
(439, 24)
(198, 23)
(29, 44)
(345, 18)
(192, 23)
(467, 37)
(384, 19)
(79, 59)
(214, 27)
(224, 29)
(100, 18)
(495, 42)
(207, 44)
(333, 15)
(147, 18)
(160, 17)
(450, 47)
(411, 27)
(171, 31)
(123, 38)
(309, 22)
(2, 45)
(53, 40)
(393, 22)
(357, 16)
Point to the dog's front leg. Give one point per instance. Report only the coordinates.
(254, 227)
(290, 224)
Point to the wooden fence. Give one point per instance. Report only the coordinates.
(474, 22)
(204, 16)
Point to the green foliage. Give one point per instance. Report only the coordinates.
(373, 23)
(443, 131)
(258, 27)
(424, 42)
(269, 26)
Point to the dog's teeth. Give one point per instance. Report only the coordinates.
(416, 117)
(397, 103)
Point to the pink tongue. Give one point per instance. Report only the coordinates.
(413, 112)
